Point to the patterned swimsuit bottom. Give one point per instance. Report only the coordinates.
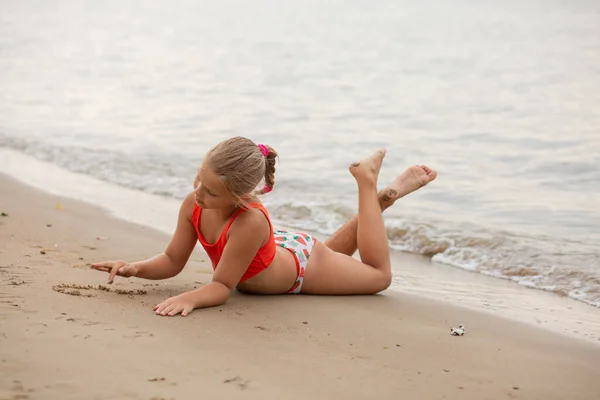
(300, 245)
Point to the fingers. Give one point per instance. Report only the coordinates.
(103, 264)
(170, 308)
(161, 307)
(176, 310)
(114, 270)
(125, 271)
(186, 311)
(165, 308)
(104, 269)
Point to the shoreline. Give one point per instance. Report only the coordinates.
(253, 346)
(414, 274)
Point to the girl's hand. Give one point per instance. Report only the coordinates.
(113, 268)
(183, 303)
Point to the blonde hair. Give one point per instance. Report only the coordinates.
(242, 165)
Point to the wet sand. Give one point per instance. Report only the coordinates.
(65, 333)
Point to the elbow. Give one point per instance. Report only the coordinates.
(173, 272)
(223, 292)
(175, 267)
(170, 273)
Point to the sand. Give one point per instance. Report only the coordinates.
(66, 334)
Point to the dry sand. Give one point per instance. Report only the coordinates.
(65, 334)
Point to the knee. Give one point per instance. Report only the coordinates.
(384, 282)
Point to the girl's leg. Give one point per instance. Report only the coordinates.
(371, 235)
(344, 240)
(329, 272)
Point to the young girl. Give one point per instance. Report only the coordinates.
(247, 253)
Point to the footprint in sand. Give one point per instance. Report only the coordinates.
(16, 392)
(239, 382)
(11, 275)
(8, 302)
(62, 389)
(138, 334)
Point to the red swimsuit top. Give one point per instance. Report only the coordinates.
(261, 260)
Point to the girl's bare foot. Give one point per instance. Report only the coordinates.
(367, 170)
(412, 179)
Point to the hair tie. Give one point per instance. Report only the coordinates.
(267, 189)
(264, 149)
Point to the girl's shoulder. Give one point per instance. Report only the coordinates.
(254, 215)
(188, 206)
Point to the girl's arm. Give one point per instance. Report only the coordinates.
(164, 265)
(247, 235)
(171, 262)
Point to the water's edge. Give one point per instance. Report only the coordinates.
(414, 274)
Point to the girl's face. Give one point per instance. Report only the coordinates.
(210, 190)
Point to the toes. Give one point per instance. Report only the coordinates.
(430, 173)
(377, 158)
(380, 154)
(372, 163)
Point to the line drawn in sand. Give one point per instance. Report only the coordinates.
(84, 290)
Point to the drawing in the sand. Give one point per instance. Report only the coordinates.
(224, 213)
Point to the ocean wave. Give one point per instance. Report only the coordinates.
(568, 268)
(150, 173)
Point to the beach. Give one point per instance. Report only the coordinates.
(66, 334)
(107, 110)
(500, 98)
